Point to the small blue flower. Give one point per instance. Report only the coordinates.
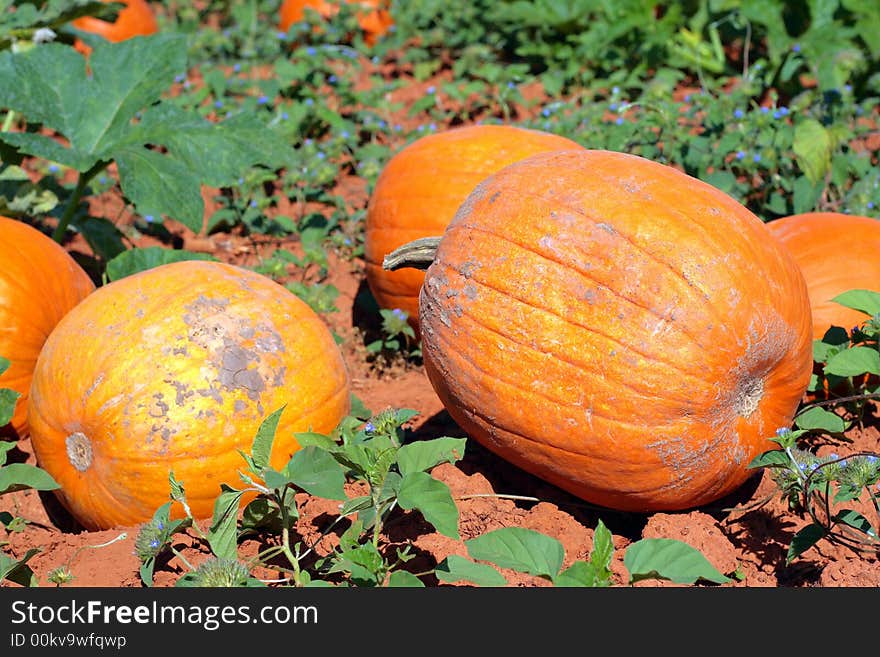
(309, 101)
(369, 427)
(511, 85)
(870, 205)
(284, 116)
(430, 90)
(687, 98)
(613, 106)
(160, 526)
(796, 47)
(179, 78)
(756, 157)
(432, 127)
(331, 79)
(154, 543)
(253, 204)
(779, 113)
(218, 104)
(102, 180)
(262, 100)
(308, 141)
(740, 155)
(375, 59)
(344, 134)
(398, 313)
(615, 90)
(311, 51)
(320, 155)
(149, 218)
(545, 111)
(738, 113)
(236, 67)
(282, 36)
(847, 88)
(619, 120)
(54, 168)
(764, 110)
(782, 431)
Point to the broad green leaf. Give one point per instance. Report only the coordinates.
(223, 533)
(866, 301)
(667, 558)
(307, 438)
(49, 149)
(8, 400)
(580, 574)
(404, 579)
(855, 520)
(769, 459)
(139, 259)
(812, 147)
(220, 152)
(261, 448)
(317, 472)
(524, 550)
(17, 570)
(853, 362)
(102, 235)
(159, 185)
(803, 540)
(17, 476)
(603, 548)
(455, 568)
(422, 455)
(419, 490)
(819, 418)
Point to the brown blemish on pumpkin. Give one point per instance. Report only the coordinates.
(158, 408)
(79, 451)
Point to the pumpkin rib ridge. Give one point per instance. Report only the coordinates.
(584, 365)
(583, 274)
(500, 379)
(574, 324)
(635, 245)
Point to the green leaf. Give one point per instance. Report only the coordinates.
(8, 399)
(261, 448)
(422, 455)
(770, 459)
(667, 558)
(866, 301)
(812, 147)
(419, 490)
(317, 472)
(307, 438)
(139, 259)
(220, 152)
(819, 418)
(803, 540)
(855, 520)
(103, 236)
(159, 185)
(4, 364)
(853, 362)
(523, 550)
(223, 533)
(17, 476)
(580, 574)
(455, 568)
(404, 579)
(17, 570)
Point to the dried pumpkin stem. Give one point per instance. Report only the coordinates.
(418, 254)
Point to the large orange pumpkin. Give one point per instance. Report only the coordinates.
(135, 19)
(836, 252)
(174, 368)
(374, 20)
(617, 328)
(420, 188)
(39, 284)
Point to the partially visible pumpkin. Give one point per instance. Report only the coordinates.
(421, 187)
(617, 328)
(39, 283)
(173, 369)
(375, 19)
(137, 18)
(836, 252)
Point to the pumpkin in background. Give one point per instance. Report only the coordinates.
(836, 252)
(374, 19)
(420, 188)
(175, 368)
(39, 283)
(617, 328)
(135, 19)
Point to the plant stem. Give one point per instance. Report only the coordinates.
(73, 202)
(418, 254)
